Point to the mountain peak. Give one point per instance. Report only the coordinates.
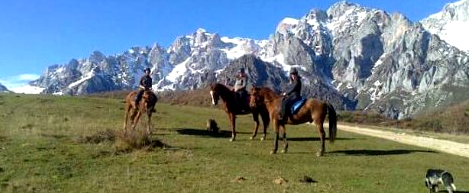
(343, 6)
(344, 10)
(451, 24)
(457, 11)
(201, 30)
(286, 25)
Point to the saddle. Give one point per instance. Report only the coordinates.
(242, 101)
(296, 106)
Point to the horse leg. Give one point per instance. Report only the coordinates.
(265, 122)
(132, 116)
(126, 117)
(136, 119)
(149, 123)
(274, 151)
(322, 136)
(285, 142)
(233, 126)
(255, 116)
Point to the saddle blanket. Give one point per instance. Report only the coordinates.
(296, 106)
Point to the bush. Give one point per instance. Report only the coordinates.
(135, 140)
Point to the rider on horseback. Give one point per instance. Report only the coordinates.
(145, 84)
(292, 94)
(240, 88)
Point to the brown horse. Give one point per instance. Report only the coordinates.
(147, 105)
(312, 111)
(231, 108)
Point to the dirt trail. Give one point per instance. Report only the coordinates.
(436, 144)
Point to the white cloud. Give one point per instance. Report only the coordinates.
(13, 82)
(28, 77)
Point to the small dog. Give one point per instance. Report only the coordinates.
(435, 177)
(212, 126)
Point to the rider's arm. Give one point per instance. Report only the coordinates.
(141, 83)
(291, 87)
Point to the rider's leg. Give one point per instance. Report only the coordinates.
(139, 97)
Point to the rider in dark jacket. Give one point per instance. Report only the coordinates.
(292, 94)
(145, 84)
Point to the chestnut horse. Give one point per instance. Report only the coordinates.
(147, 105)
(312, 111)
(232, 109)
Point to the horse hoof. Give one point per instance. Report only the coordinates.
(232, 139)
(251, 138)
(263, 138)
(319, 154)
(273, 152)
(284, 151)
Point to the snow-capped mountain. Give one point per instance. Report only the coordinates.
(451, 24)
(186, 64)
(352, 56)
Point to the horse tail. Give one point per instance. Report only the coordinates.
(332, 122)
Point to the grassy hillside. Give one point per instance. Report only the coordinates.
(453, 119)
(44, 147)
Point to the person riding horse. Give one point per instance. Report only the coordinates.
(146, 83)
(292, 94)
(240, 88)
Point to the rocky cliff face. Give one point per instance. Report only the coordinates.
(349, 55)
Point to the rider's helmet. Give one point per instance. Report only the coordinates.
(293, 71)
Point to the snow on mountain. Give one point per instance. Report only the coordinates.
(451, 24)
(287, 25)
(28, 89)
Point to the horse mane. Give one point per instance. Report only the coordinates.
(220, 86)
(224, 92)
(268, 93)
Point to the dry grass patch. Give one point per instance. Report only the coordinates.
(98, 137)
(135, 140)
(124, 141)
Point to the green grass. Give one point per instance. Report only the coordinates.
(40, 151)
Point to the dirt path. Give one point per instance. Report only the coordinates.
(436, 144)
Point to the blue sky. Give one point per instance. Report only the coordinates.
(35, 34)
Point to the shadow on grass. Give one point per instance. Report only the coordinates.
(204, 133)
(379, 152)
(316, 138)
(455, 191)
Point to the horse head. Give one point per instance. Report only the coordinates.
(218, 90)
(214, 93)
(256, 98)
